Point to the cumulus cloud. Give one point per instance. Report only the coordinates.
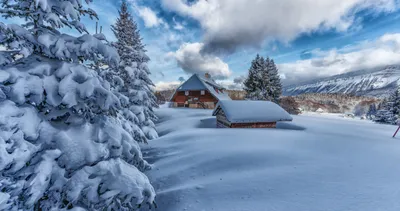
(231, 84)
(381, 52)
(191, 60)
(150, 18)
(163, 85)
(231, 24)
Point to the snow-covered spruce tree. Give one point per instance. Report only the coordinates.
(129, 120)
(133, 70)
(252, 82)
(389, 111)
(263, 82)
(264, 91)
(61, 145)
(274, 81)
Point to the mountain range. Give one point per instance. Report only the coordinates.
(377, 82)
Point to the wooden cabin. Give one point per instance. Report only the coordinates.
(199, 92)
(249, 114)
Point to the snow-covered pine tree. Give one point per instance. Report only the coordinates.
(252, 82)
(264, 88)
(263, 82)
(390, 109)
(61, 146)
(137, 86)
(275, 81)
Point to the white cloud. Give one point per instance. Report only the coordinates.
(190, 59)
(178, 26)
(380, 52)
(150, 18)
(231, 85)
(162, 85)
(230, 24)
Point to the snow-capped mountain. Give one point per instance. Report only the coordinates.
(378, 82)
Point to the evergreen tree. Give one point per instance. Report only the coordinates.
(62, 145)
(134, 73)
(252, 82)
(263, 81)
(389, 110)
(275, 81)
(263, 91)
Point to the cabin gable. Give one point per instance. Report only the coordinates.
(198, 92)
(193, 83)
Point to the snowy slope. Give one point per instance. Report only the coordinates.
(373, 82)
(316, 163)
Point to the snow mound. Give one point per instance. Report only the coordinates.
(335, 164)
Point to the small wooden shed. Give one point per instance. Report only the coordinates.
(249, 114)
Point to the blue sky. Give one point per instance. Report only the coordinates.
(307, 39)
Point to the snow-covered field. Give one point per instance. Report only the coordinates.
(315, 163)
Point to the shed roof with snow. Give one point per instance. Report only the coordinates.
(252, 111)
(197, 83)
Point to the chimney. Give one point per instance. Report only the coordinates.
(207, 75)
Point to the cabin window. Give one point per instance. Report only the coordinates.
(202, 92)
(187, 93)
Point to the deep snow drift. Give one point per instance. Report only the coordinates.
(316, 163)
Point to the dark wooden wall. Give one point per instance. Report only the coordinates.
(223, 122)
(180, 96)
(254, 125)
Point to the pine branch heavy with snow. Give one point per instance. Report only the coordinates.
(62, 145)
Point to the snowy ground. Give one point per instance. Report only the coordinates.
(316, 163)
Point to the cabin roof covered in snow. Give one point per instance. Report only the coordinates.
(197, 83)
(252, 111)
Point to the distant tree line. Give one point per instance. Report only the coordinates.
(335, 103)
(388, 111)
